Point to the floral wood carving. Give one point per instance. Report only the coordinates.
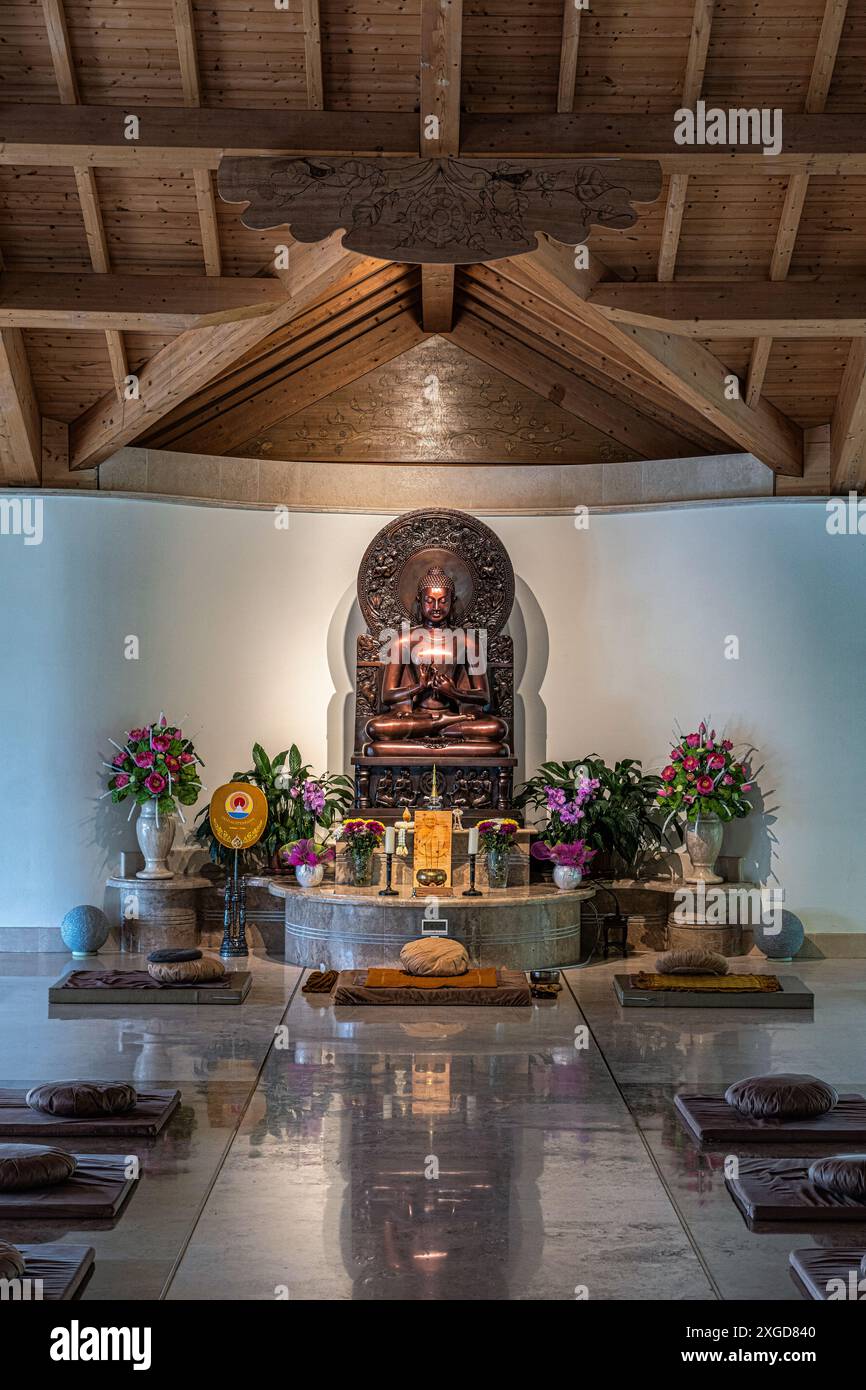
(450, 211)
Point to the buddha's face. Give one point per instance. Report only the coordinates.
(435, 605)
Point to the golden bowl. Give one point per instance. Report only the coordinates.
(431, 878)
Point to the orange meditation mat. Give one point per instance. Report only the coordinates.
(381, 978)
(745, 984)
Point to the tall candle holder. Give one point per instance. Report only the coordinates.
(472, 891)
(388, 891)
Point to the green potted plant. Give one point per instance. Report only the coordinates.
(297, 800)
(620, 822)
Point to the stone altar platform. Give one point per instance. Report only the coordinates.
(526, 928)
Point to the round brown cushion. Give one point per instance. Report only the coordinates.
(434, 955)
(83, 1098)
(843, 1174)
(194, 972)
(11, 1261)
(691, 962)
(33, 1165)
(788, 1096)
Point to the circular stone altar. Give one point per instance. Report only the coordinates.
(156, 912)
(528, 928)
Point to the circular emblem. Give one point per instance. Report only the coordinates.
(238, 814)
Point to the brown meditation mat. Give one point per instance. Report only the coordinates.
(710, 1120)
(62, 1268)
(510, 991)
(378, 977)
(134, 979)
(97, 1189)
(814, 1268)
(778, 1189)
(148, 1116)
(735, 984)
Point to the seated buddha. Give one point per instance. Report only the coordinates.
(435, 693)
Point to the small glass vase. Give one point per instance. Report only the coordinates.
(360, 867)
(497, 867)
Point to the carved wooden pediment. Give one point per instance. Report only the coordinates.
(450, 211)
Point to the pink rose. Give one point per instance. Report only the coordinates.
(171, 763)
(665, 791)
(668, 773)
(144, 759)
(690, 764)
(693, 740)
(676, 754)
(746, 787)
(136, 735)
(121, 780)
(177, 733)
(727, 745)
(155, 783)
(187, 758)
(689, 800)
(119, 760)
(161, 743)
(716, 761)
(705, 786)
(728, 780)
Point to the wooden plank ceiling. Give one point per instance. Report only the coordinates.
(119, 261)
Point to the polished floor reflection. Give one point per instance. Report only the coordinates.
(418, 1154)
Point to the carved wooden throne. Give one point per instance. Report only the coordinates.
(388, 578)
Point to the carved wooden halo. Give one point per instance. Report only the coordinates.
(400, 554)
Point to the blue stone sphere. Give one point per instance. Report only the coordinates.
(782, 945)
(84, 929)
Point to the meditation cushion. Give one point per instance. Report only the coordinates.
(11, 1261)
(788, 1096)
(83, 1098)
(843, 1174)
(434, 955)
(194, 972)
(169, 954)
(691, 962)
(24, 1166)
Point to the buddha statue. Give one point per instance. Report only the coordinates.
(435, 695)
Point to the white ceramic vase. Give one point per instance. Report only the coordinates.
(154, 840)
(703, 842)
(309, 875)
(566, 876)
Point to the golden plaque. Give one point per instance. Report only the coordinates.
(238, 814)
(432, 849)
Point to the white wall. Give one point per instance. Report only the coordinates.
(246, 633)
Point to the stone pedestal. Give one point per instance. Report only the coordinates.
(157, 912)
(703, 936)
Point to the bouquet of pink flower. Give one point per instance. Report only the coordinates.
(575, 854)
(703, 778)
(305, 852)
(492, 834)
(361, 836)
(156, 763)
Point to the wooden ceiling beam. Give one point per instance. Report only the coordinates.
(193, 359)
(85, 178)
(798, 185)
(686, 368)
(568, 56)
(739, 308)
(133, 303)
(203, 181)
(696, 63)
(848, 427)
(199, 137)
(20, 423)
(313, 55)
(439, 110)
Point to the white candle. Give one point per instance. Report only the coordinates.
(473, 839)
(389, 839)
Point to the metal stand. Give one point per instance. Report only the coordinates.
(234, 941)
(388, 891)
(472, 891)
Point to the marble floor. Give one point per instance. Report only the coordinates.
(418, 1154)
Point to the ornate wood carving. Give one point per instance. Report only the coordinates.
(446, 211)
